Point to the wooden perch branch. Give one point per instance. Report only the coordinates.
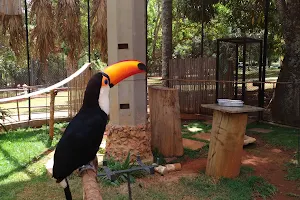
(90, 186)
(91, 189)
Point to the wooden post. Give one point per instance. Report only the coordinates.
(18, 109)
(165, 121)
(51, 122)
(91, 189)
(226, 144)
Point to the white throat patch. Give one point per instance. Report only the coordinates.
(104, 99)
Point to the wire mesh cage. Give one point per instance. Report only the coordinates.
(239, 69)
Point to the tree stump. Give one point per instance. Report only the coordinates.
(226, 144)
(165, 120)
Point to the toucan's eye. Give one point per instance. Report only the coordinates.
(105, 81)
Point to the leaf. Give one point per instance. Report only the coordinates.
(126, 163)
(123, 178)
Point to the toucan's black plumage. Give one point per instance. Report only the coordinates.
(82, 137)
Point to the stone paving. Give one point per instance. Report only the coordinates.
(192, 144)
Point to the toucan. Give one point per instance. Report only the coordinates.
(80, 141)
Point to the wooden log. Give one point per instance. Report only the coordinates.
(173, 167)
(165, 120)
(51, 121)
(91, 189)
(161, 170)
(226, 144)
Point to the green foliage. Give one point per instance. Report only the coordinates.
(193, 154)
(115, 165)
(192, 9)
(101, 151)
(10, 68)
(293, 172)
(4, 113)
(158, 157)
(222, 19)
(98, 65)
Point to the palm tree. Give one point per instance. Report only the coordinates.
(12, 24)
(99, 28)
(43, 34)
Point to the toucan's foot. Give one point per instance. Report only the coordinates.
(87, 167)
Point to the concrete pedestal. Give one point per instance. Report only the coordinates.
(126, 21)
(133, 139)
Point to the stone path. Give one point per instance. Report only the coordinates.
(206, 137)
(192, 144)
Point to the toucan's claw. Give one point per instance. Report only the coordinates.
(87, 167)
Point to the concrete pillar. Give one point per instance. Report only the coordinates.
(126, 30)
(128, 130)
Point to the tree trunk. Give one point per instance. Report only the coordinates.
(166, 38)
(285, 108)
(157, 27)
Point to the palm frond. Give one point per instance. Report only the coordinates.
(43, 34)
(69, 28)
(99, 28)
(12, 24)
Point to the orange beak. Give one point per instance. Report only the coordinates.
(124, 69)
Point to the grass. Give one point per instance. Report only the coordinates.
(286, 138)
(293, 172)
(194, 127)
(201, 187)
(188, 131)
(242, 188)
(23, 175)
(253, 73)
(194, 154)
(20, 153)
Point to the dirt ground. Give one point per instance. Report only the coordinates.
(267, 162)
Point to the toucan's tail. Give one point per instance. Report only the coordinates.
(68, 192)
(65, 184)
